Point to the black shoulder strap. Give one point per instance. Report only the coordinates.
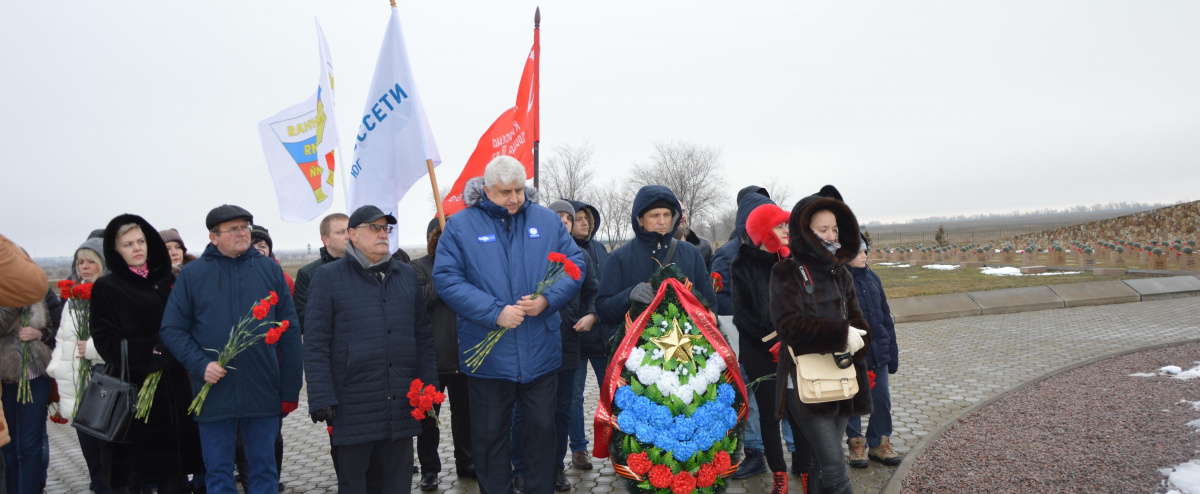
(670, 252)
(808, 284)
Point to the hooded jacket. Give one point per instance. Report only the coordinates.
(23, 282)
(127, 307)
(751, 299)
(818, 322)
(210, 296)
(367, 340)
(873, 302)
(594, 343)
(303, 278)
(487, 259)
(748, 199)
(64, 364)
(636, 261)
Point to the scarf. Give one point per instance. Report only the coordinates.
(832, 247)
(142, 271)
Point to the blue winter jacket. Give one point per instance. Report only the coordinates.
(748, 199)
(873, 302)
(210, 296)
(365, 341)
(487, 259)
(636, 261)
(594, 343)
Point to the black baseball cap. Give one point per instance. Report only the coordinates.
(226, 212)
(368, 214)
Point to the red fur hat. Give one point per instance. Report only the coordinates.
(760, 223)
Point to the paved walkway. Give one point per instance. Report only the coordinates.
(945, 367)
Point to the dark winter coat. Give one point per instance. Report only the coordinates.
(441, 318)
(487, 259)
(303, 279)
(748, 199)
(583, 304)
(636, 261)
(874, 305)
(594, 343)
(818, 322)
(210, 296)
(751, 295)
(367, 340)
(705, 246)
(127, 307)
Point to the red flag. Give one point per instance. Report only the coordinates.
(513, 134)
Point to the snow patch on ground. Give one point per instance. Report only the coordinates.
(900, 265)
(1195, 424)
(1192, 373)
(1012, 271)
(885, 264)
(942, 267)
(1175, 372)
(1185, 478)
(1170, 369)
(1143, 374)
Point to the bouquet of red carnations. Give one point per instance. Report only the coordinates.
(241, 337)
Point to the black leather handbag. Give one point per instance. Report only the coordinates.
(108, 404)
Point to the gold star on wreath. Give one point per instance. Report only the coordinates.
(676, 344)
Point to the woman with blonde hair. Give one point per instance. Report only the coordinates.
(68, 350)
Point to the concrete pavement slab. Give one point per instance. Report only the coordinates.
(932, 307)
(1163, 288)
(1095, 293)
(1016, 300)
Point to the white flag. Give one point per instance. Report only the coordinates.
(393, 139)
(298, 143)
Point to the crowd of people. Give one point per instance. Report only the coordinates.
(371, 328)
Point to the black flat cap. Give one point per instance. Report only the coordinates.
(368, 214)
(226, 212)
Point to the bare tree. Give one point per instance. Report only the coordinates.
(614, 201)
(720, 226)
(566, 172)
(691, 171)
(781, 192)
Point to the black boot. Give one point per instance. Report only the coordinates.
(429, 481)
(518, 485)
(753, 464)
(561, 484)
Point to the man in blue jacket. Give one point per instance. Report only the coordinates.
(263, 382)
(489, 261)
(368, 337)
(627, 272)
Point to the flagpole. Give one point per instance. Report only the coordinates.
(437, 195)
(537, 22)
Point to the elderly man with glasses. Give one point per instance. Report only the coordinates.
(367, 338)
(263, 382)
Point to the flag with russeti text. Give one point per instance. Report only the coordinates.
(299, 144)
(393, 140)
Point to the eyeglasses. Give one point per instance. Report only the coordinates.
(377, 228)
(236, 230)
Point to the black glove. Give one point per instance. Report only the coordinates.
(326, 414)
(642, 293)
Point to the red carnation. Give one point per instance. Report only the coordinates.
(721, 461)
(683, 483)
(426, 401)
(661, 477)
(871, 378)
(283, 326)
(571, 269)
(439, 397)
(639, 463)
(717, 282)
(273, 335)
(274, 298)
(261, 310)
(85, 291)
(64, 288)
(556, 257)
(706, 475)
(417, 414)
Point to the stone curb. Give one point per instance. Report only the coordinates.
(896, 484)
(1009, 300)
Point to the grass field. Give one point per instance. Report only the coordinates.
(901, 282)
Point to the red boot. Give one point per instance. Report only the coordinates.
(781, 483)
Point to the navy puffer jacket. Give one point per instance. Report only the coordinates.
(636, 261)
(365, 341)
(488, 259)
(209, 297)
(748, 199)
(874, 305)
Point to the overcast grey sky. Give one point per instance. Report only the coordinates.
(911, 108)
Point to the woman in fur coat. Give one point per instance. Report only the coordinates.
(814, 310)
(26, 421)
(127, 305)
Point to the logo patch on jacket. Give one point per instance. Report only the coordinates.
(483, 239)
(533, 233)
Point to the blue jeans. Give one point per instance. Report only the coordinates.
(579, 440)
(218, 441)
(27, 429)
(753, 437)
(880, 423)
